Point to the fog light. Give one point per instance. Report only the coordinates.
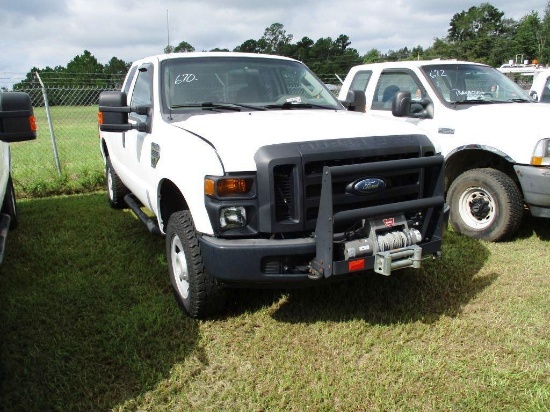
(232, 217)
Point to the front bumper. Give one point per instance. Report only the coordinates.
(535, 185)
(272, 261)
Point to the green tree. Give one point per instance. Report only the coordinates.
(440, 49)
(373, 56)
(528, 38)
(183, 47)
(114, 71)
(545, 35)
(302, 50)
(275, 39)
(473, 33)
(84, 70)
(249, 46)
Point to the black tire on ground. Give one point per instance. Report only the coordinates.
(9, 205)
(485, 204)
(197, 291)
(115, 188)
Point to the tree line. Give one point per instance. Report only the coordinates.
(481, 34)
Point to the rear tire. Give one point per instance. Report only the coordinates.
(115, 188)
(197, 291)
(9, 206)
(486, 204)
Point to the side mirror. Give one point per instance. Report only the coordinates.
(403, 106)
(356, 101)
(113, 112)
(534, 95)
(17, 121)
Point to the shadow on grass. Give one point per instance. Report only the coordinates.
(534, 225)
(87, 319)
(441, 288)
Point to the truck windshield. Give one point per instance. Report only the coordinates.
(246, 82)
(472, 84)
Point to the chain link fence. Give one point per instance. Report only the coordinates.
(65, 157)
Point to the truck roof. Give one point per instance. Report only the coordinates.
(411, 63)
(187, 55)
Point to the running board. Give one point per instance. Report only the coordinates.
(135, 205)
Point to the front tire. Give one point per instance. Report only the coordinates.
(196, 290)
(9, 205)
(115, 188)
(486, 204)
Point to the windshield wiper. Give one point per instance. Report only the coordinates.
(217, 105)
(473, 101)
(208, 106)
(291, 105)
(519, 100)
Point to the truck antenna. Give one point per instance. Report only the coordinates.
(168, 32)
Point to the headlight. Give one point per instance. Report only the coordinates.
(232, 217)
(541, 154)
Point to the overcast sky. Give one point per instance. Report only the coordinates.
(51, 32)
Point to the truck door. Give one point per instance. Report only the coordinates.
(137, 146)
(389, 83)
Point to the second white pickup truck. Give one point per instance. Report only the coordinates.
(494, 138)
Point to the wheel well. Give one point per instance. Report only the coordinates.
(171, 200)
(468, 159)
(104, 148)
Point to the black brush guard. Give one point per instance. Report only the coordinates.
(432, 206)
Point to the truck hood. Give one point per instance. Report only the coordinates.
(514, 128)
(237, 136)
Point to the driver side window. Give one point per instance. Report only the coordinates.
(143, 91)
(392, 82)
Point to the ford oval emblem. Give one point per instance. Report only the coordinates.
(366, 186)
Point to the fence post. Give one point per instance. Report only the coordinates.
(49, 117)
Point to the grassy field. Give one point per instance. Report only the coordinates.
(34, 167)
(88, 323)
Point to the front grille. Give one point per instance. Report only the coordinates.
(290, 177)
(284, 198)
(400, 186)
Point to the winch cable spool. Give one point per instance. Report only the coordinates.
(398, 239)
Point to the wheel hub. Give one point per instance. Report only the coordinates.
(477, 208)
(480, 207)
(179, 266)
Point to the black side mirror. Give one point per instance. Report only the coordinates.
(113, 112)
(356, 101)
(17, 121)
(402, 106)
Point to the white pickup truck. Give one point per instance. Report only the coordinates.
(17, 123)
(258, 176)
(495, 140)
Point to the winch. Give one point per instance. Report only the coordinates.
(390, 240)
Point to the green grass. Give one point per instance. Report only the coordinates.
(34, 167)
(88, 322)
